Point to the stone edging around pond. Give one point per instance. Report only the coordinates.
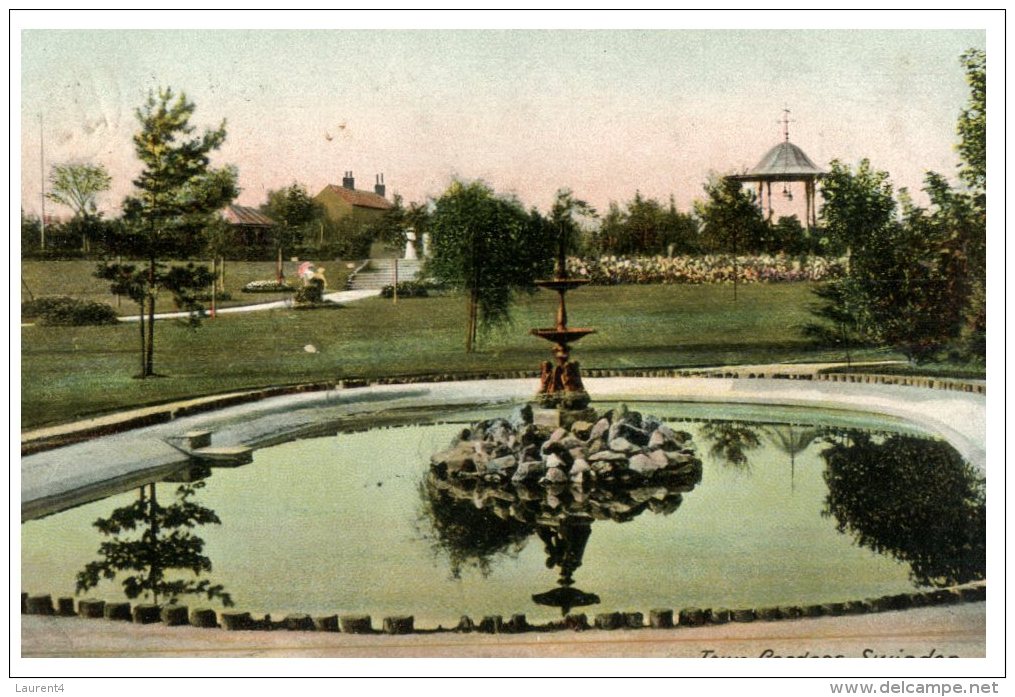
(181, 615)
(43, 439)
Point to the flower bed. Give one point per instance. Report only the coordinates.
(611, 270)
(268, 287)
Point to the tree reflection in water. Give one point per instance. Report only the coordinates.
(469, 534)
(154, 549)
(730, 442)
(910, 497)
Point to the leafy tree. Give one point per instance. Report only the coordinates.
(487, 245)
(972, 126)
(154, 546)
(390, 228)
(295, 215)
(611, 237)
(566, 215)
(645, 226)
(907, 282)
(788, 236)
(858, 206)
(972, 147)
(177, 195)
(681, 231)
(77, 186)
(731, 221)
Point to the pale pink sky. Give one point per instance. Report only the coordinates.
(604, 113)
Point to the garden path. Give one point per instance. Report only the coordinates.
(341, 296)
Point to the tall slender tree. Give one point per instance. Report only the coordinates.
(176, 195)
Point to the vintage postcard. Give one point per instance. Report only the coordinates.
(350, 335)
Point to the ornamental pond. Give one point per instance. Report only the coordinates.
(790, 506)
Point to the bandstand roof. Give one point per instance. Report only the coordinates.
(784, 162)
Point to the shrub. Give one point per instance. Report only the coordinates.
(312, 293)
(406, 289)
(206, 297)
(64, 311)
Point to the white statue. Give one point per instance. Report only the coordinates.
(410, 244)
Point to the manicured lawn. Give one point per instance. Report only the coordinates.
(69, 373)
(76, 279)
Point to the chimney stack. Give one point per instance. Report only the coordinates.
(347, 181)
(379, 185)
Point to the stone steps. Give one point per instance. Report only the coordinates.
(381, 272)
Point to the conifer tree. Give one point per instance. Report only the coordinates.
(176, 195)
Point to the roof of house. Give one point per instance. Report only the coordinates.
(783, 162)
(245, 215)
(361, 199)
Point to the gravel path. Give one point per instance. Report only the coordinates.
(956, 630)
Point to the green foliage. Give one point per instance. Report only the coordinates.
(789, 236)
(64, 311)
(186, 284)
(644, 226)
(177, 195)
(972, 129)
(917, 283)
(731, 220)
(77, 186)
(566, 218)
(348, 238)
(391, 227)
(907, 282)
(487, 245)
(406, 289)
(858, 206)
(151, 545)
(972, 126)
(297, 218)
(30, 232)
(310, 294)
(913, 498)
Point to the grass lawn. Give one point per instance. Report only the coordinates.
(74, 278)
(69, 373)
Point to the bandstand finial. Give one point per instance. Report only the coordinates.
(785, 123)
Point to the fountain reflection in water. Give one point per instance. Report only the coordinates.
(526, 480)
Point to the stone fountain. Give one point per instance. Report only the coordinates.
(562, 396)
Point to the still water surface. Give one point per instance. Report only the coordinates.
(792, 507)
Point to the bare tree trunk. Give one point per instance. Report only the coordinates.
(149, 368)
(141, 326)
(278, 267)
(471, 321)
(214, 284)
